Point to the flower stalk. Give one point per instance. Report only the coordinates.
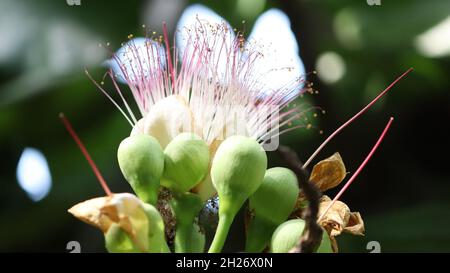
(188, 236)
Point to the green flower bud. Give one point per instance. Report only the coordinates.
(287, 235)
(141, 161)
(186, 161)
(237, 171)
(276, 197)
(271, 205)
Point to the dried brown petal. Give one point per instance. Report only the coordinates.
(355, 224)
(123, 208)
(336, 219)
(334, 244)
(339, 219)
(328, 173)
(324, 198)
(89, 212)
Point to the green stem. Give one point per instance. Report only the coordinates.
(146, 191)
(182, 237)
(259, 234)
(189, 239)
(164, 247)
(223, 228)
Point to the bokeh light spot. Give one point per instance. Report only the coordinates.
(33, 174)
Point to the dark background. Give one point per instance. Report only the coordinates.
(402, 194)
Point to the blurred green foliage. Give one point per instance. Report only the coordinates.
(403, 194)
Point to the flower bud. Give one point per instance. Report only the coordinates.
(288, 234)
(141, 161)
(186, 161)
(271, 205)
(276, 197)
(237, 171)
(205, 189)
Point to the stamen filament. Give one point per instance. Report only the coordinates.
(363, 164)
(109, 97)
(338, 130)
(169, 56)
(75, 137)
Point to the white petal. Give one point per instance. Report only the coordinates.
(138, 59)
(279, 68)
(168, 118)
(202, 33)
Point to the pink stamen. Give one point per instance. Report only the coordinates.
(363, 164)
(75, 137)
(122, 97)
(338, 130)
(169, 56)
(109, 97)
(212, 71)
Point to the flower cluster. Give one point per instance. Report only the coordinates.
(209, 110)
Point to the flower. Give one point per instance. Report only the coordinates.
(215, 83)
(225, 91)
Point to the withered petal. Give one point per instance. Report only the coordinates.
(336, 219)
(89, 212)
(355, 224)
(334, 244)
(124, 209)
(328, 173)
(339, 218)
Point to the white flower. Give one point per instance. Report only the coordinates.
(214, 83)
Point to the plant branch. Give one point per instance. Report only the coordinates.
(312, 234)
